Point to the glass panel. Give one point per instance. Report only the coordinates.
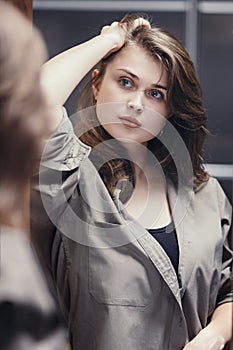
(227, 187)
(216, 57)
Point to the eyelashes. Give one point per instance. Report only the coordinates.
(128, 83)
(156, 94)
(125, 82)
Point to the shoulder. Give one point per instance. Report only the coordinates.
(213, 192)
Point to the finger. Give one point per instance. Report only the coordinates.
(115, 24)
(139, 22)
(104, 29)
(112, 25)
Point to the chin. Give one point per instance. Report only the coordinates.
(128, 135)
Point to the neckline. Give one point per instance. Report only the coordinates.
(164, 229)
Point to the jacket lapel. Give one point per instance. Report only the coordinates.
(181, 208)
(180, 204)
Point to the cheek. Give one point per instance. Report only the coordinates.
(108, 93)
(153, 122)
(104, 112)
(107, 112)
(160, 108)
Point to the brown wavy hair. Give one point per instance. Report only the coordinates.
(185, 104)
(23, 112)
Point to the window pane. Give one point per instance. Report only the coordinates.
(216, 58)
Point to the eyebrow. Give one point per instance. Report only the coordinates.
(136, 77)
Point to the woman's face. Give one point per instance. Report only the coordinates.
(131, 99)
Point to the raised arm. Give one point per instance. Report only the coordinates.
(61, 74)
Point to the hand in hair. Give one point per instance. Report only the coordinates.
(117, 32)
(62, 73)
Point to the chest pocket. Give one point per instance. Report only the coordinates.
(120, 276)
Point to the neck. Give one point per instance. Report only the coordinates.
(145, 163)
(136, 152)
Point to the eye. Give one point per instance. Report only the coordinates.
(156, 94)
(125, 82)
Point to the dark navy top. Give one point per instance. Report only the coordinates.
(166, 236)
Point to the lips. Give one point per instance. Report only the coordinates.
(131, 122)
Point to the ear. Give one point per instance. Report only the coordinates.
(95, 86)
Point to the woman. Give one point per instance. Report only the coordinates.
(28, 316)
(131, 228)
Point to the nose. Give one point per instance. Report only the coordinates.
(135, 103)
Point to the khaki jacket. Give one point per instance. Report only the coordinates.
(115, 284)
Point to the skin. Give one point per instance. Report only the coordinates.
(134, 86)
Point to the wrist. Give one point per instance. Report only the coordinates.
(108, 40)
(114, 35)
(215, 331)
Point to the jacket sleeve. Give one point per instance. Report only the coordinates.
(59, 168)
(226, 288)
(64, 151)
(51, 189)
